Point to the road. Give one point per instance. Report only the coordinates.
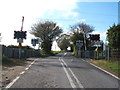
(63, 71)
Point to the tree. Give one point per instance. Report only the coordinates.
(79, 32)
(83, 28)
(46, 31)
(63, 41)
(113, 36)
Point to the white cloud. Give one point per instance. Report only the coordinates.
(81, 21)
(13, 10)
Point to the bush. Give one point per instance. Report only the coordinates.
(12, 62)
(57, 52)
(45, 54)
(5, 60)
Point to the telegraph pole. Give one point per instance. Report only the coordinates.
(84, 42)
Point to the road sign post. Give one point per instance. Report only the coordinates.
(79, 44)
(20, 35)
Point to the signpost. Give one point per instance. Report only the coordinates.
(79, 44)
(20, 35)
(34, 42)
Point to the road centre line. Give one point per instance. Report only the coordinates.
(68, 76)
(78, 82)
(102, 70)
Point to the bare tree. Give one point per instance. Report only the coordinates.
(79, 32)
(82, 28)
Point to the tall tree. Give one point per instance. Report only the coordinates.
(79, 32)
(83, 28)
(113, 36)
(63, 41)
(46, 31)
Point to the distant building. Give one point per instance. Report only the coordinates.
(55, 46)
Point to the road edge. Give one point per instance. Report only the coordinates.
(102, 69)
(17, 77)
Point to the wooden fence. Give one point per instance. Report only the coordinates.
(115, 54)
(19, 53)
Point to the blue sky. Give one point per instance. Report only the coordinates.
(94, 13)
(99, 14)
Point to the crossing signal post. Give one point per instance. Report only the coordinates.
(20, 35)
(94, 37)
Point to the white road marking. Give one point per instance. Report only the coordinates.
(68, 76)
(32, 63)
(29, 65)
(22, 72)
(65, 53)
(80, 85)
(10, 84)
(102, 70)
(27, 68)
(106, 71)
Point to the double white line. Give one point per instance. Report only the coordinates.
(68, 76)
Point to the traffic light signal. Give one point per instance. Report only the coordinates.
(20, 34)
(94, 37)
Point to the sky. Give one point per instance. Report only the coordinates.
(97, 13)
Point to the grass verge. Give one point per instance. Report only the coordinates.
(12, 62)
(111, 66)
(52, 53)
(57, 52)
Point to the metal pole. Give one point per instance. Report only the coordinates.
(97, 53)
(108, 54)
(19, 53)
(85, 44)
(22, 23)
(34, 51)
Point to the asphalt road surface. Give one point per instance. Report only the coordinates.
(63, 71)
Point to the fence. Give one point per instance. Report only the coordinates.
(19, 52)
(115, 54)
(90, 54)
